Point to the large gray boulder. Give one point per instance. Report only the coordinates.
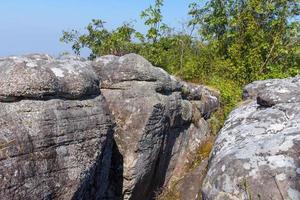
(160, 123)
(55, 130)
(257, 153)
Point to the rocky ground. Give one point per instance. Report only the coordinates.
(119, 128)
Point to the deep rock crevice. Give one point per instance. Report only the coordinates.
(155, 121)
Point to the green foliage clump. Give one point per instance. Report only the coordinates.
(153, 19)
(255, 37)
(101, 41)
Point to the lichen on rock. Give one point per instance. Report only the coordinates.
(256, 154)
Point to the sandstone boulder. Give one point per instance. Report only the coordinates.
(56, 132)
(160, 122)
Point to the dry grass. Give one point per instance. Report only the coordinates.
(4, 144)
(202, 153)
(171, 193)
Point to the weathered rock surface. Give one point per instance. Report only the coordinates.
(63, 135)
(257, 153)
(160, 123)
(55, 130)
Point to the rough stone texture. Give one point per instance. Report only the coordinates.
(187, 188)
(160, 123)
(57, 127)
(257, 153)
(42, 77)
(55, 130)
(272, 92)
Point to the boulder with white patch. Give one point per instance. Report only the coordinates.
(42, 77)
(257, 152)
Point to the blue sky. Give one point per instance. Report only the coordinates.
(29, 26)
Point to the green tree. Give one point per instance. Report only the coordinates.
(152, 17)
(100, 40)
(254, 36)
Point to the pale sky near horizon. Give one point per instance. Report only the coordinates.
(35, 26)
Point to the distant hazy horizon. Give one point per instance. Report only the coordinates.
(35, 26)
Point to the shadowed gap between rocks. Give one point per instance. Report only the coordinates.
(160, 169)
(48, 98)
(115, 188)
(166, 157)
(95, 183)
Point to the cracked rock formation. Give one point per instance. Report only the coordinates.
(257, 153)
(55, 130)
(112, 128)
(160, 122)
